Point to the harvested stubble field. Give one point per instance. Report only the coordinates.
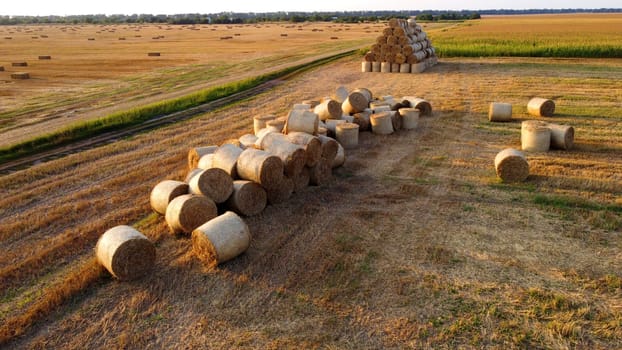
(85, 79)
(414, 244)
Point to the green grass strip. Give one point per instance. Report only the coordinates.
(562, 202)
(124, 119)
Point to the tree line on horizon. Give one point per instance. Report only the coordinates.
(296, 17)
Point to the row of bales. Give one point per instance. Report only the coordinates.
(17, 70)
(239, 178)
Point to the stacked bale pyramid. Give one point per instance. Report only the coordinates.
(403, 47)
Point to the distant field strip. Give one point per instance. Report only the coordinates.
(586, 35)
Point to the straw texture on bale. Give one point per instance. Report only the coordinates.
(194, 154)
(302, 120)
(19, 64)
(206, 161)
(541, 107)
(385, 67)
(282, 192)
(500, 112)
(261, 167)
(45, 57)
(214, 183)
(363, 120)
(340, 94)
(221, 239)
(248, 198)
(405, 68)
(395, 67)
(535, 136)
(328, 109)
(247, 141)
(422, 105)
(164, 192)
(331, 125)
(382, 123)
(189, 211)
(348, 135)
(511, 165)
(293, 156)
(311, 144)
(259, 122)
(355, 103)
(226, 158)
(192, 173)
(277, 124)
(365, 92)
(410, 117)
(20, 75)
(366, 66)
(396, 120)
(321, 173)
(125, 252)
(562, 136)
(301, 181)
(330, 147)
(376, 66)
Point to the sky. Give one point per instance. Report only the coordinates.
(128, 7)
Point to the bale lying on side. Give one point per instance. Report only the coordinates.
(301, 120)
(341, 93)
(293, 156)
(189, 211)
(340, 157)
(535, 136)
(330, 147)
(541, 107)
(221, 239)
(282, 192)
(214, 183)
(511, 165)
(301, 181)
(363, 120)
(261, 167)
(328, 109)
(562, 136)
(247, 141)
(226, 158)
(206, 162)
(422, 105)
(164, 192)
(356, 102)
(259, 122)
(500, 112)
(126, 253)
(248, 198)
(311, 144)
(194, 154)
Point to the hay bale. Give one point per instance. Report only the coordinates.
(206, 162)
(1, 68)
(365, 92)
(311, 145)
(125, 252)
(356, 102)
(226, 158)
(340, 157)
(328, 109)
(363, 120)
(277, 124)
(192, 173)
(396, 120)
(301, 181)
(195, 154)
(541, 107)
(282, 192)
(259, 122)
(340, 94)
(422, 105)
(189, 211)
(511, 165)
(385, 67)
(247, 140)
(562, 136)
(382, 123)
(535, 136)
(293, 156)
(248, 198)
(213, 183)
(20, 75)
(500, 112)
(302, 106)
(153, 54)
(45, 57)
(261, 167)
(301, 120)
(410, 117)
(321, 173)
(221, 239)
(348, 135)
(164, 192)
(311, 103)
(331, 126)
(376, 66)
(330, 147)
(366, 67)
(19, 64)
(405, 68)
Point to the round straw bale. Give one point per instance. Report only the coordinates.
(206, 162)
(366, 92)
(293, 156)
(369, 57)
(562, 136)
(395, 67)
(192, 173)
(387, 32)
(226, 158)
(366, 66)
(19, 64)
(214, 183)
(277, 124)
(405, 68)
(301, 181)
(45, 57)
(282, 192)
(348, 135)
(331, 126)
(259, 122)
(422, 105)
(347, 118)
(321, 173)
(312, 103)
(247, 140)
(340, 94)
(261, 167)
(340, 157)
(194, 154)
(126, 253)
(189, 211)
(1, 68)
(221, 239)
(20, 75)
(410, 117)
(511, 165)
(362, 119)
(322, 131)
(396, 120)
(399, 32)
(375, 66)
(248, 198)
(311, 144)
(328, 109)
(330, 147)
(355, 103)
(418, 67)
(535, 136)
(381, 123)
(541, 107)
(302, 120)
(164, 192)
(385, 67)
(500, 112)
